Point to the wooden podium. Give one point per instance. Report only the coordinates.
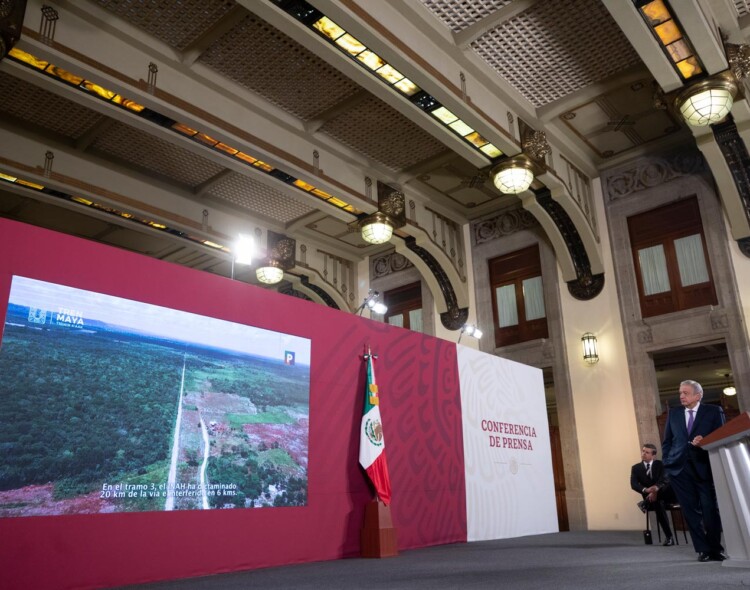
(378, 535)
(729, 452)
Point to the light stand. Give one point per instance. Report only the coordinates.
(470, 330)
(371, 302)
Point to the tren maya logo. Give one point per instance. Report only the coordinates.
(64, 317)
(37, 316)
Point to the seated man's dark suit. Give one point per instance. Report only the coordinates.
(689, 472)
(640, 480)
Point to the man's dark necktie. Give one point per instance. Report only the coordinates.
(648, 470)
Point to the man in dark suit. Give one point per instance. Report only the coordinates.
(689, 470)
(647, 478)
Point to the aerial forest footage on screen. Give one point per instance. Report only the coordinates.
(113, 405)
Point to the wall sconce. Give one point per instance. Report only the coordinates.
(373, 303)
(730, 389)
(280, 258)
(377, 228)
(707, 102)
(514, 175)
(470, 330)
(590, 355)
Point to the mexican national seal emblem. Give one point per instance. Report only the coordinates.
(374, 432)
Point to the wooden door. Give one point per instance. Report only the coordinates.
(559, 474)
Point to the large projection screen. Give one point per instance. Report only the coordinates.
(113, 405)
(420, 406)
(509, 482)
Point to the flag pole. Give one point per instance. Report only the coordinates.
(378, 536)
(367, 358)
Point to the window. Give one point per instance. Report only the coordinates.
(518, 297)
(669, 252)
(405, 307)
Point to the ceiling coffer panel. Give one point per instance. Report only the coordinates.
(258, 199)
(264, 60)
(459, 14)
(151, 154)
(40, 108)
(178, 24)
(546, 52)
(381, 133)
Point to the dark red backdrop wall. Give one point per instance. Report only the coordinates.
(418, 380)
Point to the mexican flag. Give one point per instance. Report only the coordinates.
(371, 441)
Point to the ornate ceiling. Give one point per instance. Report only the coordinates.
(251, 76)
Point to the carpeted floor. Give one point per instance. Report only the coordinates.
(580, 560)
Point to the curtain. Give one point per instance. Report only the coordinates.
(415, 320)
(653, 270)
(397, 320)
(533, 298)
(691, 260)
(507, 310)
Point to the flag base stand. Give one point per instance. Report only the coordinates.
(378, 535)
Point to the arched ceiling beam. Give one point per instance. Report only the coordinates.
(312, 284)
(585, 280)
(587, 234)
(450, 293)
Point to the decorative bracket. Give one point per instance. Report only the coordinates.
(455, 317)
(586, 285)
(11, 23)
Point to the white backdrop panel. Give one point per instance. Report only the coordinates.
(510, 488)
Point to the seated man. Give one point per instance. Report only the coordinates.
(648, 479)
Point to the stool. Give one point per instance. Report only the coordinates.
(670, 509)
(675, 512)
(650, 509)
